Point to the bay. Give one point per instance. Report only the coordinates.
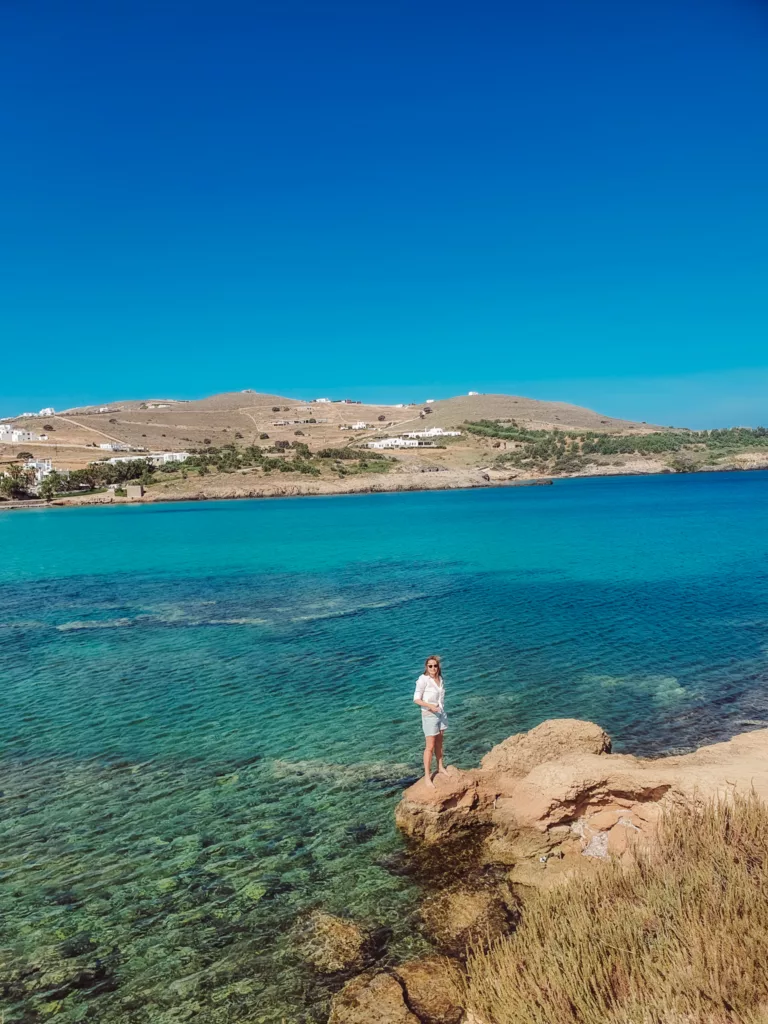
(206, 716)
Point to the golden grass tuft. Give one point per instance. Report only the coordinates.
(681, 937)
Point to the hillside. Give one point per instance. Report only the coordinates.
(249, 444)
(242, 417)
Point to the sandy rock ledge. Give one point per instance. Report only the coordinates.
(551, 800)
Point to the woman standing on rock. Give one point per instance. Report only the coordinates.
(430, 696)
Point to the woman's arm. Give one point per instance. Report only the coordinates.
(430, 707)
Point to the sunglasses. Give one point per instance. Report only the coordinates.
(432, 665)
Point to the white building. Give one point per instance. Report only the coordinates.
(114, 446)
(128, 458)
(472, 392)
(360, 425)
(394, 442)
(162, 458)
(47, 412)
(433, 432)
(156, 458)
(40, 467)
(325, 401)
(14, 435)
(430, 401)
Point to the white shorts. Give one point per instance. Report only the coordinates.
(433, 724)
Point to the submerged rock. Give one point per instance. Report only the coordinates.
(371, 998)
(461, 918)
(332, 944)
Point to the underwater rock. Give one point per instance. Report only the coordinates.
(78, 945)
(433, 989)
(371, 998)
(332, 944)
(456, 919)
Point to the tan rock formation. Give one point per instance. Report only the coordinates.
(516, 756)
(371, 998)
(554, 799)
(433, 989)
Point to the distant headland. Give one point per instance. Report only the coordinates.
(248, 444)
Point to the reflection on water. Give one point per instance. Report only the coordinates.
(194, 754)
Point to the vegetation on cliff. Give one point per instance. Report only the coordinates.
(570, 451)
(680, 936)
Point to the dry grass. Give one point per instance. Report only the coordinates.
(679, 938)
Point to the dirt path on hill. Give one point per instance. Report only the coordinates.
(93, 430)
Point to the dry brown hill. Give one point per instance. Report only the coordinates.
(164, 424)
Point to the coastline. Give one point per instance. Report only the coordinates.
(231, 490)
(293, 489)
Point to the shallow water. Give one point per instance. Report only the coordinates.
(206, 718)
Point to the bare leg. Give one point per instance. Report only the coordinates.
(439, 754)
(428, 749)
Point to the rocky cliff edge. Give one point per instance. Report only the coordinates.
(547, 799)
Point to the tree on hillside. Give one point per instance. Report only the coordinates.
(15, 482)
(51, 485)
(24, 455)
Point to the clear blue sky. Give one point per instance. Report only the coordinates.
(389, 200)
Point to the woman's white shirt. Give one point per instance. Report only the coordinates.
(429, 690)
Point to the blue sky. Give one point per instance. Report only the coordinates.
(387, 200)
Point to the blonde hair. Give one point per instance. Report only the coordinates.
(434, 657)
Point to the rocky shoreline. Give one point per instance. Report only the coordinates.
(230, 489)
(544, 807)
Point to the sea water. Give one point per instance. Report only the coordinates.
(206, 716)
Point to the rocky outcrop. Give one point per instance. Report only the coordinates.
(426, 991)
(433, 989)
(519, 754)
(372, 998)
(549, 802)
(542, 807)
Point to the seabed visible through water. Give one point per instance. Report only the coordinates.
(206, 716)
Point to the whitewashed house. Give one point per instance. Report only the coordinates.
(394, 442)
(433, 432)
(40, 467)
(163, 458)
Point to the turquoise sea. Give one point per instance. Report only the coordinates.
(206, 717)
